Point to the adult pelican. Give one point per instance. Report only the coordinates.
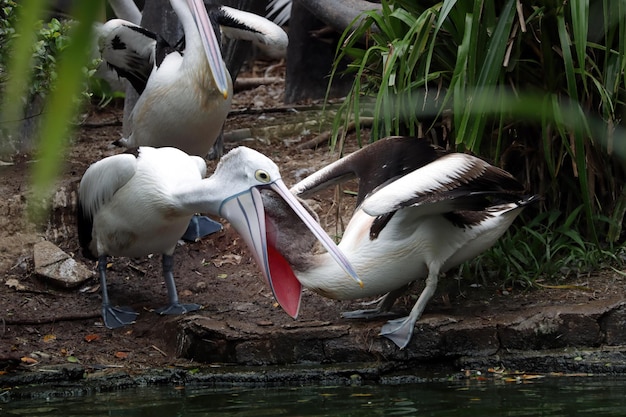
(420, 212)
(139, 203)
(185, 95)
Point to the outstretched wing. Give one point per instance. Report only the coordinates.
(458, 186)
(456, 181)
(374, 165)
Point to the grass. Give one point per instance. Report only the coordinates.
(536, 88)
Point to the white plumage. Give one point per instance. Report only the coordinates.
(421, 212)
(133, 205)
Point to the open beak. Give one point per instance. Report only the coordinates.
(246, 213)
(211, 45)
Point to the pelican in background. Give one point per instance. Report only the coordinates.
(139, 203)
(420, 212)
(185, 95)
(279, 11)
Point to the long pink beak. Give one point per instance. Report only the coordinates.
(246, 213)
(211, 45)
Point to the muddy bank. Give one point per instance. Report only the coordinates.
(573, 339)
(60, 381)
(478, 332)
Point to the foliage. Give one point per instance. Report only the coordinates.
(546, 248)
(66, 80)
(51, 38)
(537, 87)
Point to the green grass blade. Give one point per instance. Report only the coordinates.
(20, 66)
(62, 104)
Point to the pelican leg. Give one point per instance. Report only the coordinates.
(400, 331)
(174, 307)
(199, 227)
(217, 151)
(381, 310)
(113, 317)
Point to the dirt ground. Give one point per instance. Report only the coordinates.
(44, 324)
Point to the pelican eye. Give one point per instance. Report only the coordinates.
(262, 176)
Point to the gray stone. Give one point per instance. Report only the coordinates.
(57, 266)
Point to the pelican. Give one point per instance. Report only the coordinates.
(279, 11)
(139, 203)
(420, 212)
(185, 95)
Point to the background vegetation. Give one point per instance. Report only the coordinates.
(535, 87)
(50, 60)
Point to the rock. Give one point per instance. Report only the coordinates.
(59, 267)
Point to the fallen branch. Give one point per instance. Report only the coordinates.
(279, 109)
(53, 319)
(325, 136)
(92, 125)
(242, 84)
(159, 350)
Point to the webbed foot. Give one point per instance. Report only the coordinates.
(178, 308)
(399, 331)
(366, 314)
(116, 317)
(199, 227)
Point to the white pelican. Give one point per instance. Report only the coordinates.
(135, 204)
(185, 95)
(420, 212)
(279, 11)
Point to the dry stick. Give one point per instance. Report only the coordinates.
(324, 137)
(278, 109)
(108, 123)
(158, 350)
(242, 84)
(53, 319)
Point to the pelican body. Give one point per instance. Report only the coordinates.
(420, 212)
(185, 95)
(139, 203)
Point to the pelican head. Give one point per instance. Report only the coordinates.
(244, 209)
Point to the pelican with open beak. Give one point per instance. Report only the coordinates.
(420, 212)
(140, 203)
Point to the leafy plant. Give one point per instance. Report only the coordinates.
(546, 248)
(66, 81)
(51, 38)
(537, 87)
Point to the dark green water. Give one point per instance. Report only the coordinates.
(588, 396)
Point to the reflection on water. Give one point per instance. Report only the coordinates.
(597, 396)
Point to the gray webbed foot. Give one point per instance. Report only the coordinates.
(199, 227)
(178, 308)
(116, 317)
(399, 331)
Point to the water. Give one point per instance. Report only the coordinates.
(564, 396)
